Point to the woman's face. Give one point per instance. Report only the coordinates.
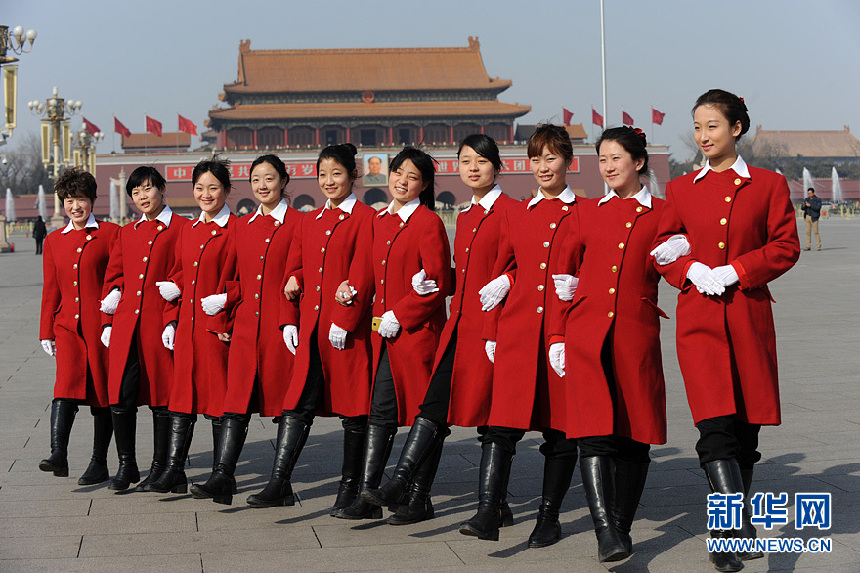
(209, 194)
(334, 180)
(267, 185)
(549, 169)
(406, 183)
(714, 135)
(618, 168)
(476, 171)
(149, 199)
(78, 210)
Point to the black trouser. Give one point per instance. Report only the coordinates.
(437, 400)
(555, 444)
(305, 409)
(725, 438)
(619, 447)
(39, 246)
(383, 401)
(129, 388)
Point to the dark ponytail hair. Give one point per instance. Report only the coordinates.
(279, 166)
(343, 154)
(633, 141)
(485, 146)
(219, 168)
(426, 165)
(731, 106)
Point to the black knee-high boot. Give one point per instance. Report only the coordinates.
(97, 471)
(557, 473)
(292, 435)
(420, 508)
(124, 429)
(724, 476)
(747, 530)
(350, 481)
(598, 481)
(424, 437)
(630, 480)
(62, 417)
(173, 478)
(217, 424)
(377, 448)
(495, 470)
(220, 485)
(160, 440)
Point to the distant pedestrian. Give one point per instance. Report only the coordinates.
(811, 214)
(40, 231)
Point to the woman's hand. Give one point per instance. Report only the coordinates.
(106, 336)
(292, 289)
(291, 337)
(168, 336)
(494, 292)
(224, 336)
(49, 347)
(556, 357)
(110, 302)
(168, 290)
(668, 252)
(213, 304)
(344, 294)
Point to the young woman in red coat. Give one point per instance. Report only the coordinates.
(141, 369)
(74, 263)
(608, 339)
(331, 343)
(741, 225)
(461, 386)
(408, 237)
(200, 357)
(249, 294)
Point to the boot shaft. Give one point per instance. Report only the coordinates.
(292, 435)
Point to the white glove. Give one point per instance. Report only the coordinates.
(351, 294)
(705, 280)
(389, 327)
(168, 290)
(556, 357)
(291, 337)
(49, 347)
(106, 336)
(111, 301)
(213, 304)
(168, 336)
(490, 348)
(494, 292)
(668, 252)
(565, 286)
(337, 337)
(421, 285)
(727, 275)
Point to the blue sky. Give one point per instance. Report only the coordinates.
(794, 62)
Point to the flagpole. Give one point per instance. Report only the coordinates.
(603, 71)
(113, 137)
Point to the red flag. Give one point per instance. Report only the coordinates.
(153, 126)
(657, 116)
(91, 128)
(596, 118)
(626, 119)
(568, 115)
(119, 128)
(187, 125)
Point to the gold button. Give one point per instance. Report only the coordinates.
(628, 224)
(195, 263)
(382, 281)
(191, 300)
(77, 316)
(192, 282)
(328, 232)
(486, 211)
(159, 228)
(543, 265)
(382, 301)
(257, 313)
(565, 208)
(137, 311)
(318, 288)
(474, 230)
(316, 306)
(150, 242)
(201, 246)
(261, 257)
(214, 233)
(74, 266)
(552, 225)
(464, 270)
(540, 287)
(89, 237)
(145, 259)
(277, 223)
(721, 245)
(341, 217)
(467, 249)
(639, 209)
(80, 249)
(614, 269)
(256, 295)
(322, 250)
(738, 181)
(259, 277)
(610, 314)
(140, 276)
(74, 283)
(611, 290)
(138, 293)
(383, 262)
(267, 240)
(320, 269)
(387, 242)
(620, 245)
(546, 244)
(77, 299)
(728, 199)
(539, 309)
(401, 224)
(723, 221)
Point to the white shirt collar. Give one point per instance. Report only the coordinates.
(278, 213)
(165, 216)
(406, 210)
(91, 222)
(644, 197)
(220, 219)
(567, 196)
(347, 205)
(488, 200)
(740, 167)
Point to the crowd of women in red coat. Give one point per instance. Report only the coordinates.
(553, 325)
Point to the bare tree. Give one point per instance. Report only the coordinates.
(23, 170)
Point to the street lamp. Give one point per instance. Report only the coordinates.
(15, 41)
(84, 154)
(55, 112)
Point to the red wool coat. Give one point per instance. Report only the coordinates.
(142, 255)
(476, 245)
(727, 344)
(74, 267)
(200, 359)
(401, 249)
(253, 280)
(527, 393)
(616, 304)
(333, 246)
